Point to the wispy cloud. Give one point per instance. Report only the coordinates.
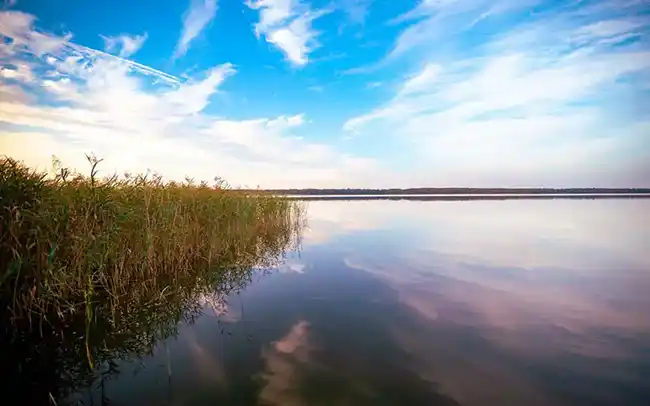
(124, 45)
(195, 20)
(287, 25)
(473, 92)
(67, 99)
(59, 51)
(527, 107)
(356, 10)
(432, 20)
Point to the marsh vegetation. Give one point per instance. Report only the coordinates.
(93, 268)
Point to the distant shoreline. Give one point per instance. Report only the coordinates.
(456, 191)
(458, 197)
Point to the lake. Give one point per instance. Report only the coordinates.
(514, 302)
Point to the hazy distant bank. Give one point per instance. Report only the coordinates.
(457, 193)
(456, 190)
(497, 196)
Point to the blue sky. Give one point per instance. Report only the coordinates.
(334, 93)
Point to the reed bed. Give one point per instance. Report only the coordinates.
(70, 242)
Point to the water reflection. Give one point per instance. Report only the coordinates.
(420, 303)
(74, 358)
(554, 293)
(576, 234)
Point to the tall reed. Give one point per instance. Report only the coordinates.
(70, 241)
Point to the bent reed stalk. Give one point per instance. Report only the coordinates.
(70, 241)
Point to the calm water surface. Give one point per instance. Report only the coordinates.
(424, 303)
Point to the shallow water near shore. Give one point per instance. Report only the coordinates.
(540, 302)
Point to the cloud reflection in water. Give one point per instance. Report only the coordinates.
(554, 289)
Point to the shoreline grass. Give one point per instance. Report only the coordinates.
(70, 241)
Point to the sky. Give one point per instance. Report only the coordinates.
(332, 93)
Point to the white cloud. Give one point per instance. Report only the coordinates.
(195, 20)
(609, 28)
(14, 92)
(20, 72)
(422, 81)
(528, 111)
(287, 25)
(59, 51)
(437, 19)
(435, 26)
(124, 45)
(92, 101)
(19, 26)
(78, 54)
(356, 10)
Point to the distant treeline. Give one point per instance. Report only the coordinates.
(451, 191)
